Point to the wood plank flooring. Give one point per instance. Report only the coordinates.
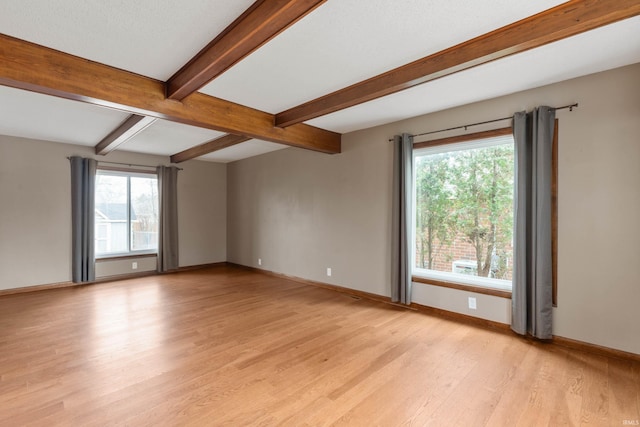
(226, 346)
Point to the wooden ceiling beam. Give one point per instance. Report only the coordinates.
(565, 20)
(28, 66)
(208, 147)
(127, 130)
(257, 25)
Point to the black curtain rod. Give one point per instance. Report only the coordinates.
(127, 164)
(570, 107)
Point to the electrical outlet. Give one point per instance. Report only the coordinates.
(472, 303)
(134, 265)
(259, 261)
(329, 271)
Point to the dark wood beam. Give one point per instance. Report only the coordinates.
(208, 147)
(257, 25)
(127, 130)
(565, 20)
(28, 66)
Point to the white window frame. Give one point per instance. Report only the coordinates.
(450, 277)
(125, 173)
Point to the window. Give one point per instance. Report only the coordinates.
(463, 217)
(126, 213)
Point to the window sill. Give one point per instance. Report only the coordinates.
(459, 286)
(106, 258)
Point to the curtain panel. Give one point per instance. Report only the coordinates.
(168, 228)
(83, 182)
(532, 273)
(401, 219)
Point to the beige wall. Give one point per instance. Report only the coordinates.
(302, 212)
(115, 267)
(35, 212)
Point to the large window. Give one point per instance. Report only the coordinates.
(463, 225)
(126, 213)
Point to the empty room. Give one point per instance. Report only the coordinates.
(319, 212)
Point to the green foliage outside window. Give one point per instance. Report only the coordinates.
(466, 196)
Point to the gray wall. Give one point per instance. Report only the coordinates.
(35, 212)
(301, 212)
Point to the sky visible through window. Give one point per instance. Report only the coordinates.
(126, 213)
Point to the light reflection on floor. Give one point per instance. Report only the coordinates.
(126, 325)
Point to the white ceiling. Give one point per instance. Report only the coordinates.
(153, 38)
(347, 41)
(35, 116)
(339, 43)
(584, 54)
(176, 137)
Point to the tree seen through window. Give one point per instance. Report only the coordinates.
(464, 210)
(127, 212)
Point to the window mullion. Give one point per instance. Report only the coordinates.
(115, 203)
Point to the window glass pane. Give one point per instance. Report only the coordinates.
(126, 213)
(144, 213)
(111, 227)
(464, 211)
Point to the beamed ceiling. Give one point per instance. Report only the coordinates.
(221, 81)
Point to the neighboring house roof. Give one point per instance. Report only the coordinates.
(114, 211)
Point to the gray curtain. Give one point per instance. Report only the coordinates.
(83, 183)
(532, 271)
(401, 219)
(168, 228)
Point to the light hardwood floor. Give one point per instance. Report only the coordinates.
(226, 346)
